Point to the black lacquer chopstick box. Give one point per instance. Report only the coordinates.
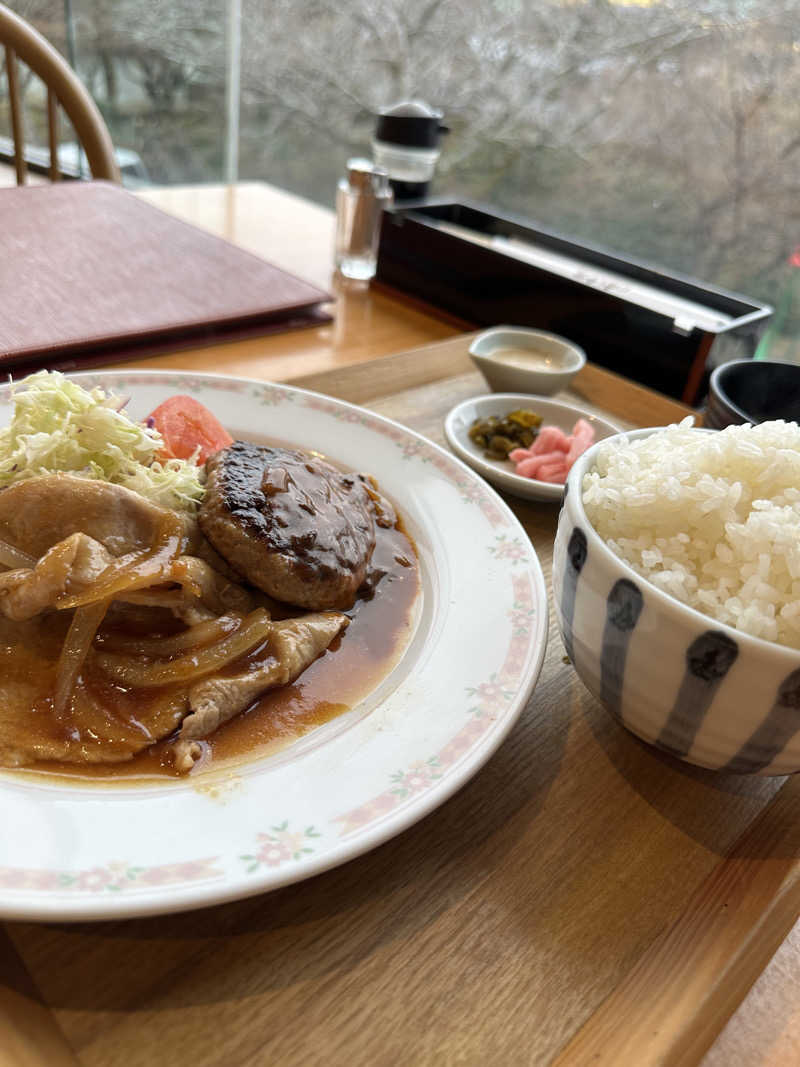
(634, 318)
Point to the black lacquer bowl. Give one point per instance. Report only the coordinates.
(749, 390)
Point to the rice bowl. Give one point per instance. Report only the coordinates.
(693, 685)
(713, 519)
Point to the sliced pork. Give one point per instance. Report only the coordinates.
(294, 644)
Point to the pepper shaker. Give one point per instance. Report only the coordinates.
(361, 197)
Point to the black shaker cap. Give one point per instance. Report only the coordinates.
(410, 123)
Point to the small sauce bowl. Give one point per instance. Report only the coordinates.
(518, 360)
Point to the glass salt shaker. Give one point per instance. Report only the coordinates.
(361, 197)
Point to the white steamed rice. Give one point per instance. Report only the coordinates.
(711, 518)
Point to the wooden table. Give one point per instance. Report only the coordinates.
(583, 900)
(297, 236)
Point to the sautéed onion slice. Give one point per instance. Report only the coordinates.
(198, 636)
(129, 671)
(15, 557)
(84, 626)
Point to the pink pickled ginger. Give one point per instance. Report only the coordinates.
(550, 457)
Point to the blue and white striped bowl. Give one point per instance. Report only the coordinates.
(678, 679)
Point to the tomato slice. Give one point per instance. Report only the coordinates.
(187, 425)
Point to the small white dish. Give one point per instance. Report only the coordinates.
(501, 473)
(500, 354)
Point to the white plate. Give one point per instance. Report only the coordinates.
(102, 850)
(501, 473)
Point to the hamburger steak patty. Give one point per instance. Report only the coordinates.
(290, 523)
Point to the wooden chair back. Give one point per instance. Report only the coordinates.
(21, 41)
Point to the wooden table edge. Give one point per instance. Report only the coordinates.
(31, 1036)
(677, 997)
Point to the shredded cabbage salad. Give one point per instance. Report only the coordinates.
(57, 426)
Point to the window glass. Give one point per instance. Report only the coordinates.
(665, 129)
(157, 73)
(662, 128)
(48, 17)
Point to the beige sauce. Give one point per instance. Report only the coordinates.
(524, 358)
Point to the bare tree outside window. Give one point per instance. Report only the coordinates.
(662, 128)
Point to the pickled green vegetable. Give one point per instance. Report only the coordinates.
(498, 435)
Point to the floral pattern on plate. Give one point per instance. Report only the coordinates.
(114, 877)
(279, 845)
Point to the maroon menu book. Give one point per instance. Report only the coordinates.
(89, 273)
